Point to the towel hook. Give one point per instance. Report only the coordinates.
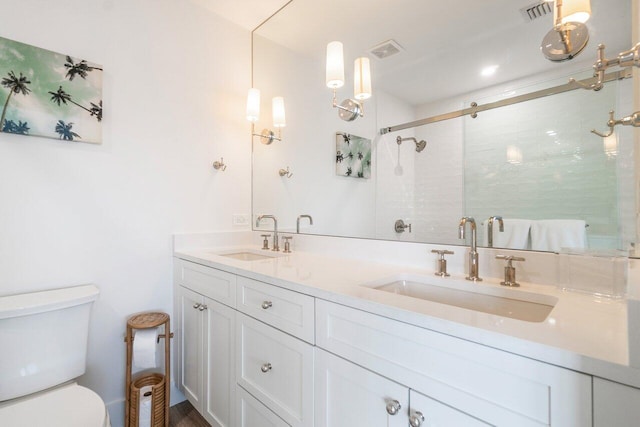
(219, 165)
(285, 172)
(632, 120)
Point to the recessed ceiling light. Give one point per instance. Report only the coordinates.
(489, 71)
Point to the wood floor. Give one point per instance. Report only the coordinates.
(184, 415)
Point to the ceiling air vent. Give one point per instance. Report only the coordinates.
(386, 49)
(537, 10)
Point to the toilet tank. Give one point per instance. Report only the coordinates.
(43, 338)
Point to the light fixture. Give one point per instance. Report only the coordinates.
(349, 109)
(569, 34)
(267, 136)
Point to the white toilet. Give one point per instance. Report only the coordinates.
(43, 342)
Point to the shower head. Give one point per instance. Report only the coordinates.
(419, 145)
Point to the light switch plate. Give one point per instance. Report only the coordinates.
(241, 219)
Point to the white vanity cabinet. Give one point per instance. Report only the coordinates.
(493, 386)
(615, 405)
(253, 354)
(206, 339)
(348, 395)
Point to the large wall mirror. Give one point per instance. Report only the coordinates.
(532, 161)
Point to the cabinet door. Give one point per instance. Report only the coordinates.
(348, 395)
(191, 346)
(277, 369)
(219, 353)
(251, 413)
(615, 405)
(427, 412)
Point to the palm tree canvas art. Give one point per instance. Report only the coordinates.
(353, 155)
(44, 93)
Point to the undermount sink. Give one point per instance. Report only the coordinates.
(507, 302)
(248, 254)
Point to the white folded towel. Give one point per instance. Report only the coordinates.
(553, 234)
(514, 236)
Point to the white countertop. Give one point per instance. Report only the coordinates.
(583, 332)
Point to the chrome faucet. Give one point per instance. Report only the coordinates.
(491, 220)
(298, 222)
(275, 229)
(473, 253)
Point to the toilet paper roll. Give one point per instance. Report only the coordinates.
(144, 348)
(144, 419)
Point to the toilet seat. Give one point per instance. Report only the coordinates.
(68, 406)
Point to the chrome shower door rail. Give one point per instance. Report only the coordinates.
(474, 109)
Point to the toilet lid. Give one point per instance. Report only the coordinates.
(69, 406)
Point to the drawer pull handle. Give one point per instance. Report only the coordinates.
(266, 304)
(196, 306)
(266, 367)
(393, 407)
(202, 307)
(416, 419)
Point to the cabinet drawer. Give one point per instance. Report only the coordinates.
(286, 310)
(215, 284)
(497, 387)
(251, 413)
(436, 414)
(277, 369)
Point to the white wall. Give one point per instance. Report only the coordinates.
(175, 80)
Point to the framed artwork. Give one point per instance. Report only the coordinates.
(45, 93)
(353, 156)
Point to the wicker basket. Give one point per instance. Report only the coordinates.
(157, 383)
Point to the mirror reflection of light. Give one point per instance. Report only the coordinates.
(28, 370)
(552, 133)
(489, 71)
(610, 145)
(551, 321)
(514, 155)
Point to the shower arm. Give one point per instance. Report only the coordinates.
(419, 145)
(632, 120)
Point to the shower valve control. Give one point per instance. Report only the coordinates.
(442, 262)
(400, 226)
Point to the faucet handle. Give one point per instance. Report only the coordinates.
(441, 252)
(510, 258)
(287, 244)
(442, 263)
(265, 241)
(510, 270)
